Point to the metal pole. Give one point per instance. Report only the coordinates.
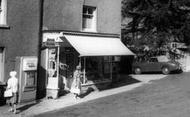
(111, 66)
(84, 71)
(58, 52)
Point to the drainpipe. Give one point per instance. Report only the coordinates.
(41, 4)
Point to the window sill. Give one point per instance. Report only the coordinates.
(4, 26)
(89, 30)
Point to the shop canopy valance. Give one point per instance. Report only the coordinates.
(98, 46)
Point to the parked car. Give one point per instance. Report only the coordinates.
(156, 64)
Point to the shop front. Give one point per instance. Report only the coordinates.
(98, 54)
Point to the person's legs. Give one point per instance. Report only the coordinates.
(9, 102)
(14, 102)
(11, 108)
(75, 95)
(14, 108)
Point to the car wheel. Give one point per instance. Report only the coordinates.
(137, 70)
(165, 70)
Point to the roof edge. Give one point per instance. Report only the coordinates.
(83, 33)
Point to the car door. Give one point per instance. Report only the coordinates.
(152, 65)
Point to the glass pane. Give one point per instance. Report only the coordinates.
(85, 10)
(30, 79)
(84, 23)
(87, 23)
(95, 69)
(1, 49)
(90, 10)
(52, 62)
(3, 8)
(0, 5)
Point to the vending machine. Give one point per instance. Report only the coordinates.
(26, 68)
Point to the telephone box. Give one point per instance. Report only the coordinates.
(26, 68)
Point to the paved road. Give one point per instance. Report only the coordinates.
(168, 97)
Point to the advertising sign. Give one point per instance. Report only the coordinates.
(30, 64)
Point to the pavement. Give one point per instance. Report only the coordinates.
(45, 105)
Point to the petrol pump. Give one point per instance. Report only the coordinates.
(26, 68)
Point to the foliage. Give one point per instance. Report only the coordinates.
(157, 21)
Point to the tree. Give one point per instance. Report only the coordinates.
(157, 21)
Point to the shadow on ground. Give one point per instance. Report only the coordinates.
(120, 81)
(27, 106)
(123, 80)
(87, 92)
(62, 93)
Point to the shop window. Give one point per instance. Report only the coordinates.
(107, 62)
(89, 19)
(111, 65)
(94, 67)
(3, 12)
(52, 62)
(30, 80)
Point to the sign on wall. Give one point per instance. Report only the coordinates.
(30, 64)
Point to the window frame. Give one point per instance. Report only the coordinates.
(93, 27)
(3, 14)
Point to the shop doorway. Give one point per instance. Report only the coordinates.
(68, 60)
(1, 64)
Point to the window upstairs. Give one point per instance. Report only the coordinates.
(89, 19)
(3, 12)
